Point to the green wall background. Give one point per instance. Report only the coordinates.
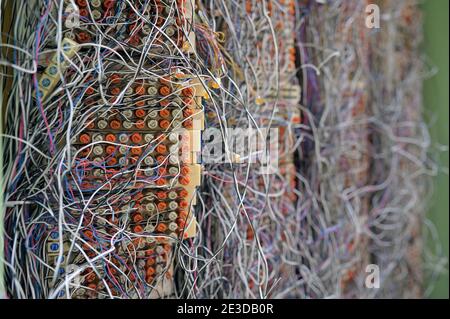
(436, 24)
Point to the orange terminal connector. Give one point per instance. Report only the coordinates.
(140, 113)
(164, 113)
(189, 92)
(182, 214)
(88, 233)
(115, 78)
(181, 223)
(138, 229)
(160, 158)
(90, 277)
(161, 195)
(185, 170)
(136, 151)
(140, 124)
(188, 123)
(85, 138)
(188, 112)
(164, 90)
(150, 262)
(112, 161)
(83, 12)
(114, 124)
(183, 204)
(161, 227)
(108, 4)
(188, 101)
(136, 138)
(115, 91)
(161, 149)
(162, 206)
(150, 271)
(183, 193)
(110, 149)
(110, 138)
(137, 218)
(164, 103)
(165, 80)
(162, 171)
(90, 90)
(164, 124)
(140, 90)
(83, 37)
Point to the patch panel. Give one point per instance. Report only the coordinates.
(145, 139)
(54, 71)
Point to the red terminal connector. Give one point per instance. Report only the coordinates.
(188, 124)
(110, 137)
(185, 170)
(164, 103)
(108, 4)
(90, 90)
(161, 195)
(112, 161)
(188, 112)
(161, 227)
(183, 193)
(164, 90)
(115, 91)
(85, 138)
(184, 180)
(140, 124)
(136, 138)
(140, 113)
(161, 149)
(138, 229)
(83, 12)
(182, 214)
(161, 181)
(162, 171)
(115, 78)
(115, 124)
(140, 90)
(162, 206)
(164, 124)
(136, 151)
(150, 262)
(150, 271)
(164, 113)
(110, 149)
(189, 92)
(183, 204)
(137, 218)
(83, 37)
(188, 101)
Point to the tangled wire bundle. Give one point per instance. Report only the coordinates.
(100, 202)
